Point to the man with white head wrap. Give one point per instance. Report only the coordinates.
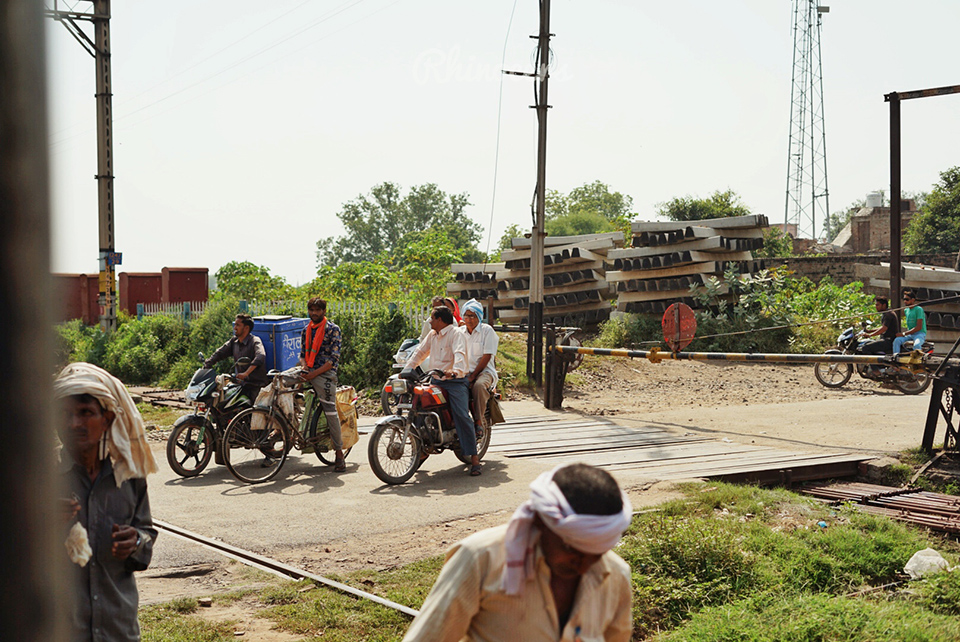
(549, 574)
(104, 463)
(482, 343)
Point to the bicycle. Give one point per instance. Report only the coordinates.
(257, 441)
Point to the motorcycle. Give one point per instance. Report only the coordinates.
(389, 398)
(400, 443)
(835, 375)
(196, 437)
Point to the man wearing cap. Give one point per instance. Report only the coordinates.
(103, 464)
(482, 342)
(549, 574)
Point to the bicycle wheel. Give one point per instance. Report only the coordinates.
(188, 453)
(255, 446)
(332, 455)
(393, 459)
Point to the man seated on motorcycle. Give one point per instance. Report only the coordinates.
(482, 342)
(889, 324)
(916, 322)
(244, 344)
(447, 349)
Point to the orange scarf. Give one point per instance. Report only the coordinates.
(313, 347)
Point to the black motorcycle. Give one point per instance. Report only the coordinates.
(196, 437)
(835, 375)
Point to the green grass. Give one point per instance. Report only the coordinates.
(158, 416)
(726, 562)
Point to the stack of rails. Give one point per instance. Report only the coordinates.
(668, 258)
(575, 288)
(474, 281)
(938, 292)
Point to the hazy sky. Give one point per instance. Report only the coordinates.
(242, 127)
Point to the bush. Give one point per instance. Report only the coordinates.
(629, 330)
(142, 351)
(365, 359)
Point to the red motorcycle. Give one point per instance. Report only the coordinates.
(423, 426)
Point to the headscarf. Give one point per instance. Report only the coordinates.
(473, 306)
(455, 309)
(593, 534)
(126, 439)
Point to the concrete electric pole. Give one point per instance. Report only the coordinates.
(99, 47)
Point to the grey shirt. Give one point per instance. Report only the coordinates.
(105, 591)
(251, 347)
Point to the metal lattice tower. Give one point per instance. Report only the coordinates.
(808, 201)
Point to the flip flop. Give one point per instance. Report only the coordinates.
(475, 470)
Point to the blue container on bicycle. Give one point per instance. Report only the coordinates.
(281, 336)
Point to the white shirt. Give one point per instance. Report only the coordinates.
(483, 340)
(447, 350)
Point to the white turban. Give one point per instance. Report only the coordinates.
(473, 306)
(126, 438)
(593, 534)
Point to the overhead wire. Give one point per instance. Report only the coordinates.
(325, 18)
(496, 155)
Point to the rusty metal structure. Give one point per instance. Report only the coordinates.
(922, 508)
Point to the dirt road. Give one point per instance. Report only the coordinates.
(316, 519)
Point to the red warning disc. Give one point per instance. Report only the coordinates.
(679, 326)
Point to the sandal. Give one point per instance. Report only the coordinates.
(475, 470)
(340, 466)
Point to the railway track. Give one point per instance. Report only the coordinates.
(274, 567)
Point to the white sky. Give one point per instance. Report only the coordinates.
(242, 127)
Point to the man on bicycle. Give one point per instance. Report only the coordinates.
(319, 357)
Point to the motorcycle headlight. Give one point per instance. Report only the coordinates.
(192, 393)
(397, 386)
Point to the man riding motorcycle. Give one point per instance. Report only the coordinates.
(889, 325)
(244, 344)
(447, 349)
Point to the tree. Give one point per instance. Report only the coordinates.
(936, 228)
(244, 280)
(380, 223)
(718, 205)
(776, 244)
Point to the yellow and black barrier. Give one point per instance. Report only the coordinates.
(657, 355)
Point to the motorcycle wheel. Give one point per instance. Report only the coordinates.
(482, 445)
(393, 459)
(187, 453)
(833, 375)
(917, 383)
(389, 401)
(246, 451)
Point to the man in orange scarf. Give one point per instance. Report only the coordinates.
(319, 357)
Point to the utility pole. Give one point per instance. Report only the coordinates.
(808, 198)
(99, 48)
(535, 311)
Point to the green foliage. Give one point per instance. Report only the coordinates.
(576, 223)
(776, 244)
(244, 280)
(717, 205)
(936, 228)
(366, 358)
(513, 231)
(941, 593)
(629, 330)
(141, 351)
(78, 342)
(588, 209)
(381, 224)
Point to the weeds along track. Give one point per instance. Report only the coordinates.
(275, 567)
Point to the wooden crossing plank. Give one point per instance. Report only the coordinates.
(652, 451)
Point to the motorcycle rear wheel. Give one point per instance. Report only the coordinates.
(393, 459)
(482, 445)
(187, 453)
(255, 455)
(833, 375)
(916, 384)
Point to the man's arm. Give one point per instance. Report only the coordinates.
(454, 600)
(422, 351)
(259, 359)
(139, 558)
(484, 360)
(220, 353)
(459, 348)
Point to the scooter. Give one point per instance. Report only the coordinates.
(196, 437)
(389, 397)
(400, 443)
(836, 375)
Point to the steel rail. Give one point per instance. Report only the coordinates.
(656, 355)
(276, 568)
